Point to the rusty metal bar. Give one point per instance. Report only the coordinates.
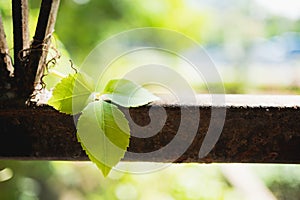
(257, 129)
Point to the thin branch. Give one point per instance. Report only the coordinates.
(17, 32)
(6, 68)
(6, 65)
(49, 31)
(39, 45)
(21, 36)
(25, 26)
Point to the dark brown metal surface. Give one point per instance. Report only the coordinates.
(251, 134)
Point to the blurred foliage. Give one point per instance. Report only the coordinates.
(82, 181)
(279, 90)
(243, 88)
(81, 25)
(28, 180)
(282, 180)
(97, 20)
(230, 88)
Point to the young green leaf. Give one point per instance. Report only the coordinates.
(127, 93)
(72, 93)
(105, 169)
(104, 133)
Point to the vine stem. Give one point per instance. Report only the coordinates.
(40, 44)
(47, 40)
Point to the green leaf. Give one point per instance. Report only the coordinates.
(127, 93)
(105, 169)
(72, 93)
(104, 133)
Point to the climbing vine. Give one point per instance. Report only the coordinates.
(102, 128)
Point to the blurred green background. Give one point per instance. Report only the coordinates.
(83, 181)
(255, 45)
